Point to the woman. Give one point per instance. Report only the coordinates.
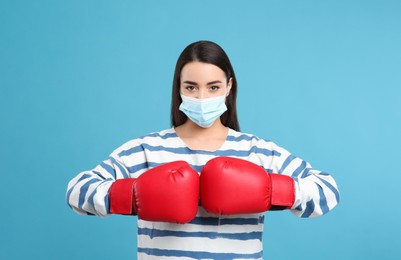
(240, 176)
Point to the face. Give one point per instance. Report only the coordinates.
(203, 80)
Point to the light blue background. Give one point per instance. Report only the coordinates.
(79, 78)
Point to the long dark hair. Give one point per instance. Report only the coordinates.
(207, 52)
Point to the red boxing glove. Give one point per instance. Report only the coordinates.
(167, 193)
(235, 186)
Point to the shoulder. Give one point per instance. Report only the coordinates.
(255, 141)
(237, 136)
(163, 134)
(152, 138)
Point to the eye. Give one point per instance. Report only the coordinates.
(190, 88)
(214, 88)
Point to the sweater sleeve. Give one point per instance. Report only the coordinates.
(316, 192)
(88, 192)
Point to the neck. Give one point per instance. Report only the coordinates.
(190, 129)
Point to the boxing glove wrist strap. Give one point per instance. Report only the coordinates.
(283, 192)
(121, 196)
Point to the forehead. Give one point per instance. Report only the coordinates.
(201, 72)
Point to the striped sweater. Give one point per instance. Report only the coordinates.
(207, 236)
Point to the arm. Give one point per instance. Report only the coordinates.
(168, 192)
(88, 192)
(236, 186)
(316, 192)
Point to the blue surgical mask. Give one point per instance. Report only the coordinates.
(203, 111)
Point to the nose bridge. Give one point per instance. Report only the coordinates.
(202, 93)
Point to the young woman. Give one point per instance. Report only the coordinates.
(200, 188)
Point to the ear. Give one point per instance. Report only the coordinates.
(230, 83)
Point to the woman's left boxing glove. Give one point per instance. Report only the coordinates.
(235, 186)
(167, 193)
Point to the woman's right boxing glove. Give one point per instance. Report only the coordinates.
(167, 193)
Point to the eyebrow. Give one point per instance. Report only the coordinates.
(210, 83)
